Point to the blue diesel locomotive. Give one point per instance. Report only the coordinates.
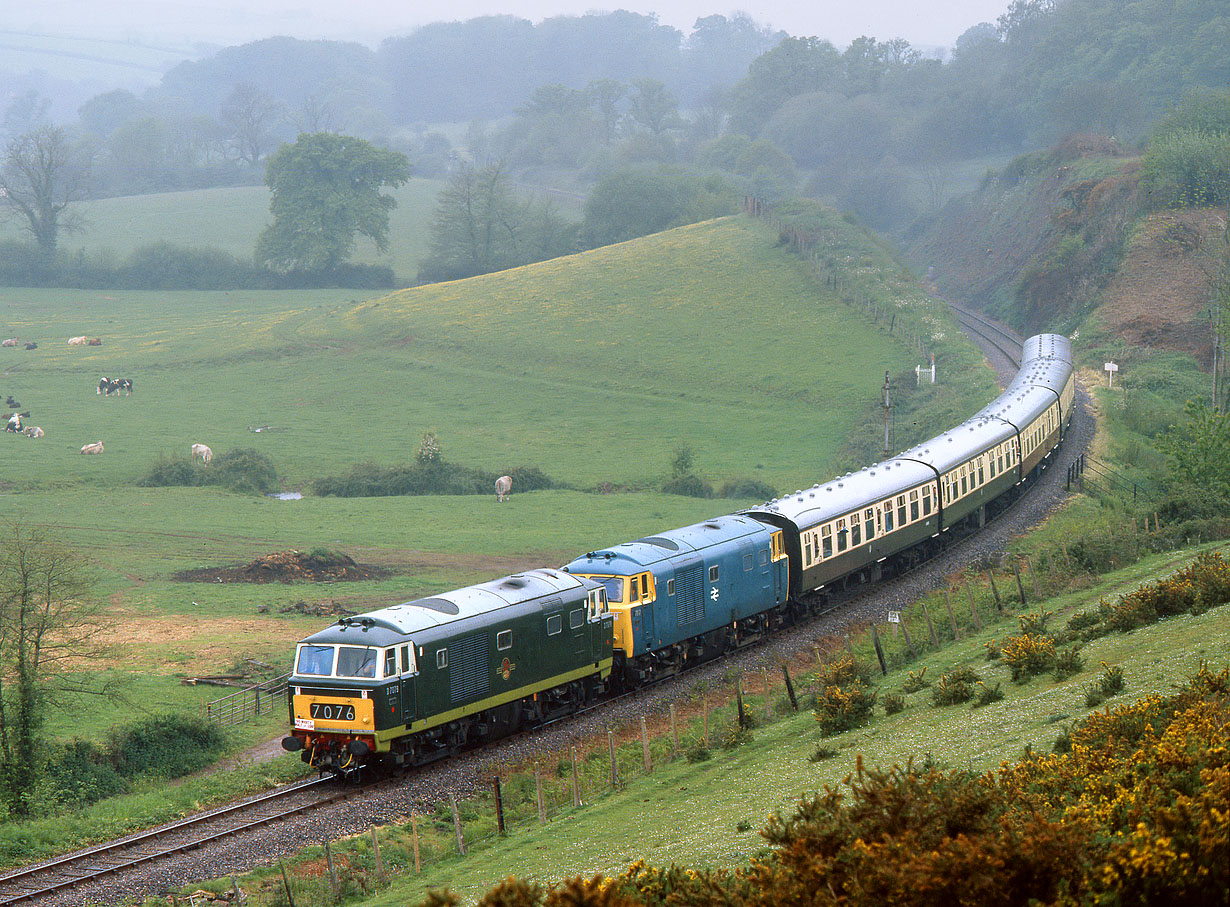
(424, 679)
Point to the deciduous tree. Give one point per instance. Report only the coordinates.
(326, 188)
(50, 645)
(42, 176)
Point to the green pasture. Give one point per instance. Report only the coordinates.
(230, 219)
(595, 369)
(708, 814)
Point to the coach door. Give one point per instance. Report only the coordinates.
(405, 660)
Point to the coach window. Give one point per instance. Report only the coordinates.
(991, 464)
(390, 662)
(555, 624)
(964, 481)
(807, 547)
(888, 516)
(576, 618)
(843, 538)
(856, 531)
(713, 573)
(914, 505)
(926, 498)
(826, 541)
(981, 468)
(901, 510)
(441, 659)
(869, 524)
(503, 640)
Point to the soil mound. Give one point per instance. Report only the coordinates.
(287, 567)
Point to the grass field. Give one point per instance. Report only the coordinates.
(708, 814)
(595, 369)
(231, 219)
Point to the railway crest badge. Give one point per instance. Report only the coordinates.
(507, 668)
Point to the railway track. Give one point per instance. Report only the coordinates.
(84, 866)
(1003, 341)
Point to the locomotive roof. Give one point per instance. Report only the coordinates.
(650, 550)
(391, 625)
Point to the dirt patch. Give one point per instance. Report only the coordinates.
(1160, 296)
(288, 567)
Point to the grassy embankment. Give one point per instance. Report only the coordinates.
(594, 368)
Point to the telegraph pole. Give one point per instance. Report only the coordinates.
(886, 405)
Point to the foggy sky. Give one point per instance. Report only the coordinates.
(921, 22)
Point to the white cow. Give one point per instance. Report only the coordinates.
(11, 341)
(78, 341)
(95, 448)
(200, 450)
(503, 486)
(35, 432)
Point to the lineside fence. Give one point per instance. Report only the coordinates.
(1085, 474)
(248, 703)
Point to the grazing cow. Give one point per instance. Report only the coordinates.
(200, 450)
(94, 341)
(78, 341)
(125, 384)
(31, 345)
(34, 432)
(95, 448)
(503, 486)
(104, 386)
(108, 386)
(14, 423)
(11, 341)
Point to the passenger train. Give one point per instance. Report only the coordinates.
(426, 678)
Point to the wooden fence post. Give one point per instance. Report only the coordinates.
(576, 782)
(645, 747)
(674, 733)
(1020, 586)
(542, 804)
(461, 841)
(909, 643)
(414, 832)
(935, 643)
(952, 618)
(875, 639)
(290, 898)
(994, 591)
(794, 700)
(379, 859)
(764, 673)
(1033, 577)
(704, 711)
(973, 611)
(499, 806)
(610, 741)
(332, 874)
(739, 702)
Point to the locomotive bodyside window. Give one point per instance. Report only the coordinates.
(748, 562)
(555, 624)
(670, 586)
(713, 573)
(503, 640)
(441, 659)
(576, 618)
(763, 556)
(315, 660)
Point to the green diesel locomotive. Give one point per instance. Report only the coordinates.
(420, 680)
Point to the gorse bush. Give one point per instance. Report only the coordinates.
(841, 708)
(955, 687)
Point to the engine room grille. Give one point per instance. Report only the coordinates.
(469, 674)
(690, 592)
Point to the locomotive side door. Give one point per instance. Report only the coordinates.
(405, 660)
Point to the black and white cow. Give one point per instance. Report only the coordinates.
(107, 386)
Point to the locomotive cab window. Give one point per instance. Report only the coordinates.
(555, 624)
(356, 661)
(441, 659)
(503, 640)
(635, 595)
(315, 660)
(390, 662)
(407, 660)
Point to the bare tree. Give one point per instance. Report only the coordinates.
(249, 115)
(41, 177)
(313, 115)
(50, 645)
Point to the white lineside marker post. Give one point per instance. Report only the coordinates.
(933, 368)
(1110, 368)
